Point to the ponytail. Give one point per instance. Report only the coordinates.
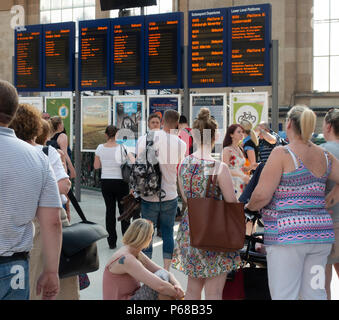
(307, 124)
(254, 138)
(304, 121)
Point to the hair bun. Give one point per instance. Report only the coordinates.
(204, 114)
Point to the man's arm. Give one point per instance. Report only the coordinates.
(51, 238)
(48, 215)
(271, 139)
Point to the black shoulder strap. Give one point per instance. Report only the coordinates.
(45, 150)
(76, 205)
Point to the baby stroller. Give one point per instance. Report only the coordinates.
(250, 282)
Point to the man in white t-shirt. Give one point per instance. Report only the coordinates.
(171, 151)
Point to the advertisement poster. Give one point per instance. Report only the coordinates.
(252, 106)
(129, 113)
(95, 117)
(37, 102)
(159, 104)
(216, 103)
(62, 107)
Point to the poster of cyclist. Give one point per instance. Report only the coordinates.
(95, 117)
(251, 106)
(129, 113)
(159, 104)
(216, 103)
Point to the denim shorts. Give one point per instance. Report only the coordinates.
(14, 280)
(166, 212)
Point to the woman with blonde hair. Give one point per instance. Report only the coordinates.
(129, 266)
(250, 145)
(298, 228)
(205, 269)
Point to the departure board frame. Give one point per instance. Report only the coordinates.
(95, 24)
(255, 9)
(180, 42)
(28, 29)
(71, 57)
(209, 13)
(123, 22)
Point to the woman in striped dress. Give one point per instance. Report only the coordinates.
(298, 228)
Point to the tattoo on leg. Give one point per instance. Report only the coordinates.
(122, 259)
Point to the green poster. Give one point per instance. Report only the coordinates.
(252, 107)
(62, 107)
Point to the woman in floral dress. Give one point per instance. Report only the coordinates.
(205, 269)
(233, 156)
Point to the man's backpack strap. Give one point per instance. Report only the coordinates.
(45, 150)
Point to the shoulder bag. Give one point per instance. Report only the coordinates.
(216, 225)
(126, 166)
(79, 249)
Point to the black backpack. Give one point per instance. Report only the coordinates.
(145, 179)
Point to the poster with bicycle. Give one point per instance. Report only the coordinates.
(216, 103)
(129, 114)
(95, 117)
(250, 106)
(159, 104)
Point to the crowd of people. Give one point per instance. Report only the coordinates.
(296, 192)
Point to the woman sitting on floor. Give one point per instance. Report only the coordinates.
(129, 266)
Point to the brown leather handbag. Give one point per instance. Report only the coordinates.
(216, 225)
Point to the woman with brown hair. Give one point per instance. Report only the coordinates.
(233, 156)
(205, 269)
(109, 157)
(59, 140)
(331, 134)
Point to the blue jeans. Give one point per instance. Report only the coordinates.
(14, 280)
(165, 211)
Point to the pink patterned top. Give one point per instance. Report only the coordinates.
(296, 213)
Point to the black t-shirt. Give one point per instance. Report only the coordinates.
(250, 143)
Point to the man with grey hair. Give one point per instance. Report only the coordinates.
(28, 189)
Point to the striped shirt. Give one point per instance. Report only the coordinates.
(26, 182)
(297, 213)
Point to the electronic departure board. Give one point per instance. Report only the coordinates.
(164, 42)
(94, 53)
(249, 45)
(127, 53)
(28, 59)
(58, 56)
(207, 48)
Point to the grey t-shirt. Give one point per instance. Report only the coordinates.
(27, 182)
(332, 147)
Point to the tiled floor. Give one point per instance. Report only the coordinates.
(94, 208)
